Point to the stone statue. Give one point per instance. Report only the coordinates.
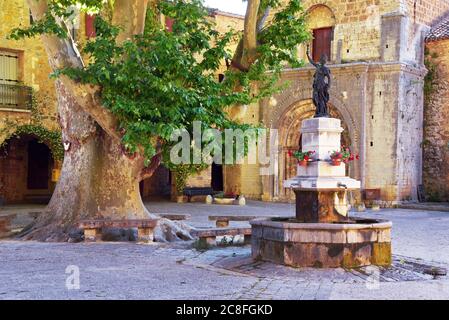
(321, 85)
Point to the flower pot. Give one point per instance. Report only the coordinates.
(336, 162)
(302, 163)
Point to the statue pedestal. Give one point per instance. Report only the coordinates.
(320, 187)
(322, 235)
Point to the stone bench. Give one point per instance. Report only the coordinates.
(5, 224)
(92, 228)
(222, 221)
(208, 237)
(197, 191)
(174, 216)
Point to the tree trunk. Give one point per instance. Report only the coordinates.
(98, 180)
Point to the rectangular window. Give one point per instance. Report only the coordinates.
(322, 39)
(9, 78)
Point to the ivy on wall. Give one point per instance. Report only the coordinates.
(51, 138)
(430, 79)
(182, 172)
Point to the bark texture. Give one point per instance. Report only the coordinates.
(98, 180)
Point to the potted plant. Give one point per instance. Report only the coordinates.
(302, 157)
(344, 155)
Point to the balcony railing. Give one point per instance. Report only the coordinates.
(15, 97)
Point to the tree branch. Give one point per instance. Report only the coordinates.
(246, 51)
(250, 33)
(152, 167)
(62, 53)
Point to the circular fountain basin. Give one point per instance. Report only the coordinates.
(351, 244)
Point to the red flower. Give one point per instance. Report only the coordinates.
(357, 157)
(306, 158)
(290, 153)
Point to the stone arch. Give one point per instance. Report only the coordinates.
(320, 16)
(288, 122)
(28, 165)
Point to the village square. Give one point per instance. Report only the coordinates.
(215, 150)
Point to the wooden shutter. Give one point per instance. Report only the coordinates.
(169, 24)
(321, 43)
(9, 78)
(90, 26)
(9, 67)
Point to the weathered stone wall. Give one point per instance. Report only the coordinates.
(357, 26)
(426, 12)
(34, 68)
(436, 128)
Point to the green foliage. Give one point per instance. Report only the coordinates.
(51, 138)
(430, 79)
(161, 81)
(182, 173)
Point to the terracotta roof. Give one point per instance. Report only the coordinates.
(440, 31)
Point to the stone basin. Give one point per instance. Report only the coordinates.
(349, 244)
(226, 201)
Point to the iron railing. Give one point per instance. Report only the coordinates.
(15, 96)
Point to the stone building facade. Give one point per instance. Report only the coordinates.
(436, 114)
(376, 53)
(27, 96)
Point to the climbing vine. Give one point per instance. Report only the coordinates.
(51, 137)
(430, 79)
(182, 173)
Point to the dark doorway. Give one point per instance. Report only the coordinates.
(38, 165)
(158, 186)
(217, 177)
(322, 38)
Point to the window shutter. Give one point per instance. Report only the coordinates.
(169, 24)
(90, 26)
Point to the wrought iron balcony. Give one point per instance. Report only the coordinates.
(15, 96)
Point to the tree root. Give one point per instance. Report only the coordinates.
(55, 231)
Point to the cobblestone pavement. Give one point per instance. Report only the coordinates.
(31, 270)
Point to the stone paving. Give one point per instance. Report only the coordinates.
(31, 270)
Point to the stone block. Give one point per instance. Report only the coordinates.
(384, 235)
(315, 236)
(276, 234)
(314, 255)
(272, 251)
(381, 254)
(145, 235)
(357, 255)
(361, 236)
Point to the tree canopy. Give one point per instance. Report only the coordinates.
(141, 82)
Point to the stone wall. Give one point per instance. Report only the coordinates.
(34, 68)
(436, 128)
(426, 12)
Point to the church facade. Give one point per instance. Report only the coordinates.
(376, 51)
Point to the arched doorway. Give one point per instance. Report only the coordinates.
(26, 166)
(158, 186)
(289, 126)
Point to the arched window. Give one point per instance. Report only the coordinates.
(321, 22)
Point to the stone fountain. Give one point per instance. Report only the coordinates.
(322, 234)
